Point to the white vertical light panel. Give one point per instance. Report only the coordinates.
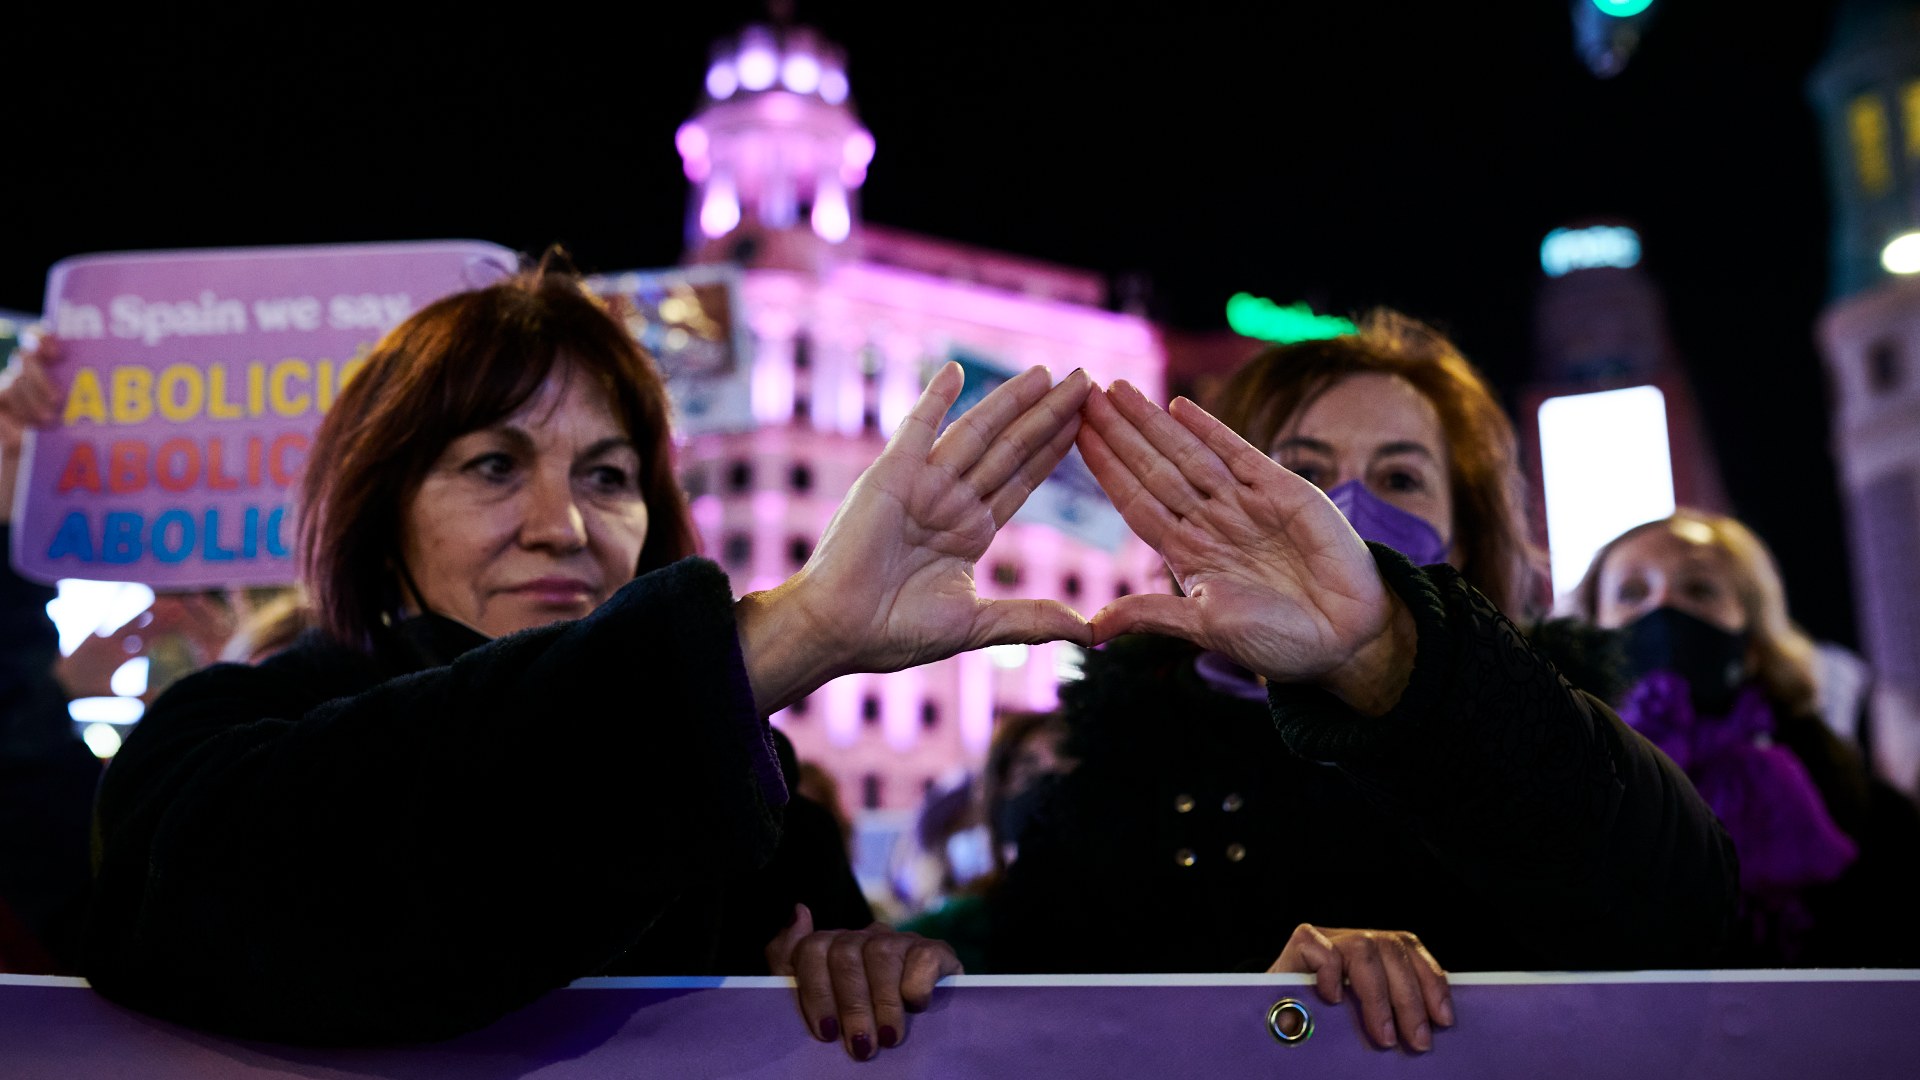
(1606, 467)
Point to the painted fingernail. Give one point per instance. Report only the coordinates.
(1386, 1035)
(888, 1036)
(1422, 1038)
(1444, 1013)
(829, 1029)
(862, 1046)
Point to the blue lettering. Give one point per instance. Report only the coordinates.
(212, 551)
(275, 546)
(161, 550)
(73, 538)
(250, 533)
(121, 542)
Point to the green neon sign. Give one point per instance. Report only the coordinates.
(1622, 9)
(1258, 317)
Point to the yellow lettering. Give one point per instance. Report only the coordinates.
(132, 394)
(218, 407)
(283, 403)
(256, 389)
(84, 399)
(324, 393)
(174, 405)
(1868, 128)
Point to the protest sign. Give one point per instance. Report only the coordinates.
(191, 384)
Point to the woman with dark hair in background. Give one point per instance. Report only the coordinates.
(528, 742)
(1724, 682)
(1431, 773)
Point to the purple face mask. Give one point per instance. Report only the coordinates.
(1384, 523)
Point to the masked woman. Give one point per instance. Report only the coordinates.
(1723, 681)
(1431, 776)
(529, 743)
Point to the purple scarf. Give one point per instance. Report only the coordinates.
(1762, 793)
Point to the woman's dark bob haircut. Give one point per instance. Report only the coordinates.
(458, 365)
(1489, 519)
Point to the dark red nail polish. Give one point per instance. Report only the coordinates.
(888, 1036)
(862, 1046)
(829, 1029)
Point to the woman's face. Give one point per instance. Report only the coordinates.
(536, 519)
(1379, 430)
(1676, 565)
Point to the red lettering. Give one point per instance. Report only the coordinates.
(82, 471)
(126, 466)
(217, 478)
(283, 474)
(183, 453)
(256, 451)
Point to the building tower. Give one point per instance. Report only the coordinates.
(1867, 90)
(775, 154)
(846, 322)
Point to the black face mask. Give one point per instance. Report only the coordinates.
(1712, 660)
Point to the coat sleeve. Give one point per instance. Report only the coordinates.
(1584, 839)
(411, 858)
(47, 778)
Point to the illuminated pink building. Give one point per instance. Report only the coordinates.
(846, 322)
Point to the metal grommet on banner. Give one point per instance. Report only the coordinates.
(1290, 1021)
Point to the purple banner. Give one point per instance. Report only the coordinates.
(191, 384)
(1689, 1024)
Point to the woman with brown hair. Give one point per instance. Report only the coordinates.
(528, 742)
(1431, 772)
(1725, 683)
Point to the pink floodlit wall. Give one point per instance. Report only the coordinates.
(838, 361)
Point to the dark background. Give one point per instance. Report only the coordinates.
(1348, 153)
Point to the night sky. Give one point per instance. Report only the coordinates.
(1346, 153)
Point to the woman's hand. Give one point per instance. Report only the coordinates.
(1274, 576)
(858, 985)
(890, 584)
(1396, 981)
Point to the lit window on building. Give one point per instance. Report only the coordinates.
(929, 715)
(1884, 374)
(800, 477)
(799, 548)
(1006, 574)
(739, 549)
(870, 791)
(740, 476)
(1868, 130)
(870, 709)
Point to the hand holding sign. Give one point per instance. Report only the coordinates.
(1274, 576)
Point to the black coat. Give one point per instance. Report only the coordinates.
(1866, 916)
(337, 847)
(1509, 820)
(47, 778)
